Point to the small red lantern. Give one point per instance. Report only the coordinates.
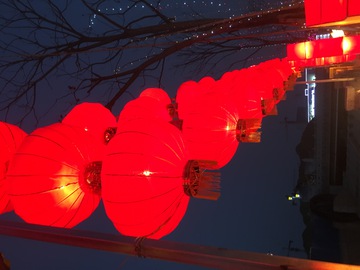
(11, 137)
(94, 118)
(54, 177)
(144, 176)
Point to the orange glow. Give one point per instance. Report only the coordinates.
(347, 45)
(304, 50)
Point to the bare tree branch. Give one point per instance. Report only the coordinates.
(42, 39)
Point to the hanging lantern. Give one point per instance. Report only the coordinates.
(11, 137)
(54, 177)
(158, 94)
(210, 128)
(94, 118)
(245, 94)
(144, 176)
(186, 95)
(144, 107)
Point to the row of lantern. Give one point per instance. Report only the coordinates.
(147, 163)
(324, 52)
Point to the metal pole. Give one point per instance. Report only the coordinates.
(327, 80)
(212, 257)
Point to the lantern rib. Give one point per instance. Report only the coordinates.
(43, 191)
(149, 198)
(68, 224)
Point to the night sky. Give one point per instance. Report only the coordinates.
(252, 213)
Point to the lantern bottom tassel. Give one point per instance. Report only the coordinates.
(199, 182)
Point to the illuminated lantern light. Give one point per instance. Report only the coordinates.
(250, 107)
(354, 9)
(144, 107)
(158, 94)
(351, 45)
(313, 12)
(146, 174)
(300, 51)
(11, 137)
(288, 73)
(54, 177)
(248, 102)
(94, 118)
(328, 47)
(326, 12)
(190, 92)
(332, 12)
(209, 129)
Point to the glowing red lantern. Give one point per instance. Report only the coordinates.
(144, 175)
(186, 95)
(318, 12)
(158, 94)
(144, 107)
(54, 177)
(11, 137)
(94, 118)
(245, 92)
(210, 127)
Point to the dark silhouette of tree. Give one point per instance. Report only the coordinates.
(44, 40)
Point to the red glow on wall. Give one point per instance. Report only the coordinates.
(52, 178)
(11, 137)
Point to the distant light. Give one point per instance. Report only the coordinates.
(335, 33)
(146, 173)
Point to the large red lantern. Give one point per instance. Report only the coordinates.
(54, 177)
(144, 178)
(11, 137)
(94, 118)
(210, 127)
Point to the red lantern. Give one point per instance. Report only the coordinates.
(144, 107)
(11, 137)
(246, 94)
(94, 118)
(186, 95)
(210, 127)
(54, 177)
(143, 178)
(158, 94)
